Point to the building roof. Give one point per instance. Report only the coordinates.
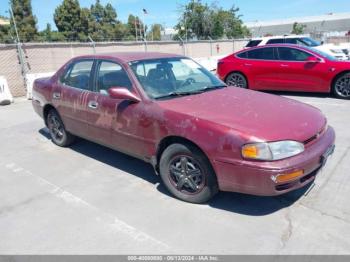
(308, 19)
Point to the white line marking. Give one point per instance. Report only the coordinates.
(118, 224)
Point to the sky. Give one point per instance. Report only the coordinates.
(166, 12)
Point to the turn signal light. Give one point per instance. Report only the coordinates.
(250, 151)
(287, 177)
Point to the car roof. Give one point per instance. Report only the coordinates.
(277, 37)
(275, 45)
(130, 56)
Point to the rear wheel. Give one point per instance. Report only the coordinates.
(58, 133)
(187, 174)
(237, 79)
(341, 86)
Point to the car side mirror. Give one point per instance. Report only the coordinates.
(123, 93)
(312, 59)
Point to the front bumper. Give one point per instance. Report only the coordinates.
(254, 177)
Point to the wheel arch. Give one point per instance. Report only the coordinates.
(46, 111)
(169, 140)
(336, 77)
(240, 72)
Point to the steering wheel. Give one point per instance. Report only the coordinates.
(188, 81)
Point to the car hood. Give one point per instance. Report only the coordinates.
(257, 115)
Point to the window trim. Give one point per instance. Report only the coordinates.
(258, 48)
(295, 61)
(70, 67)
(322, 60)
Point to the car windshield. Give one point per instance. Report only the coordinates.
(310, 42)
(325, 55)
(173, 77)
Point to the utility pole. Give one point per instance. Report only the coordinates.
(14, 23)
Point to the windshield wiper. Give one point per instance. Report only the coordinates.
(211, 88)
(188, 93)
(177, 94)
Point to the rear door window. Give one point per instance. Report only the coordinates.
(262, 54)
(78, 75)
(242, 55)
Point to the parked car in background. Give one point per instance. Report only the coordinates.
(200, 135)
(330, 49)
(285, 67)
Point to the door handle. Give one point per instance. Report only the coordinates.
(93, 104)
(284, 65)
(56, 95)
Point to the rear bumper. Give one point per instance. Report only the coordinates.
(253, 177)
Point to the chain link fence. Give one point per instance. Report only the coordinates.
(17, 61)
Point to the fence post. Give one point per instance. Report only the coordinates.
(183, 45)
(145, 44)
(211, 45)
(93, 44)
(23, 64)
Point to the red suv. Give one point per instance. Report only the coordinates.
(286, 67)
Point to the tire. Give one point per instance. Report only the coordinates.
(58, 133)
(237, 79)
(341, 86)
(187, 174)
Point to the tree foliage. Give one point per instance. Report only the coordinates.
(25, 22)
(100, 22)
(298, 29)
(67, 18)
(202, 21)
(155, 33)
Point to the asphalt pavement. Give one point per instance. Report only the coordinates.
(88, 199)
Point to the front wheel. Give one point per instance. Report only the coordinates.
(237, 79)
(187, 174)
(58, 133)
(341, 86)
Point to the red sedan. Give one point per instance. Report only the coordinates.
(200, 135)
(286, 68)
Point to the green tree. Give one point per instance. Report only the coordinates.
(67, 18)
(155, 33)
(202, 21)
(5, 36)
(135, 27)
(25, 20)
(298, 29)
(105, 24)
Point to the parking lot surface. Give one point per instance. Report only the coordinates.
(88, 199)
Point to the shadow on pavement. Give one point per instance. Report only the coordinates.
(232, 202)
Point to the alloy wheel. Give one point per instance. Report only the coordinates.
(186, 175)
(342, 86)
(56, 128)
(237, 80)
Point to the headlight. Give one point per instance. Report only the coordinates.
(272, 151)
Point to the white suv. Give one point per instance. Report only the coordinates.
(330, 49)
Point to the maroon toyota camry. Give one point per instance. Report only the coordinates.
(200, 135)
